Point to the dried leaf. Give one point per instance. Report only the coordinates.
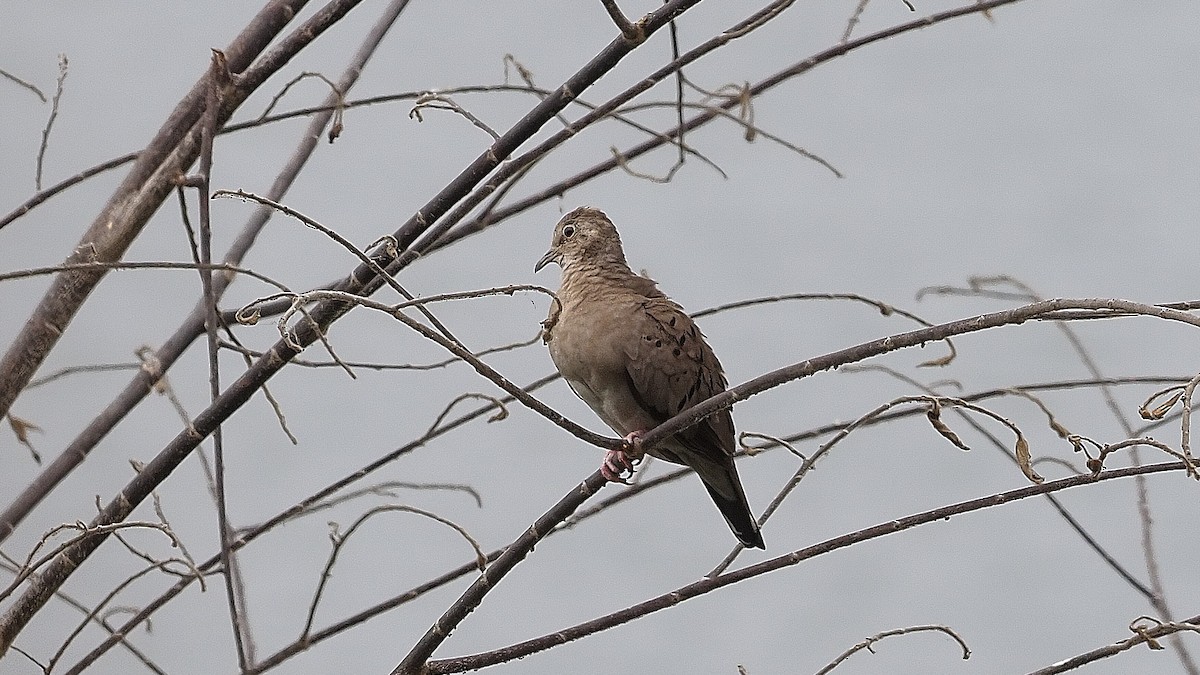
(22, 428)
(1160, 411)
(250, 319)
(937, 363)
(1144, 631)
(1024, 460)
(934, 413)
(1063, 432)
(942, 361)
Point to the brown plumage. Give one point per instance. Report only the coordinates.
(637, 359)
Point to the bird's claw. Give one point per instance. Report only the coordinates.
(618, 463)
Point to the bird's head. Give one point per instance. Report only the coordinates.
(583, 235)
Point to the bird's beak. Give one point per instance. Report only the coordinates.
(551, 256)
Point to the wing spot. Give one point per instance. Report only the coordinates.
(658, 343)
(677, 352)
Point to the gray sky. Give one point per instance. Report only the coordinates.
(1056, 144)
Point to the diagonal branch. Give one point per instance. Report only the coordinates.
(1142, 634)
(709, 584)
(192, 326)
(891, 343)
(362, 279)
(414, 662)
(148, 183)
(556, 190)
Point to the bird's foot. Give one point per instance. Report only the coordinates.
(622, 460)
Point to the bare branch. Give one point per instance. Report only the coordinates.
(442, 102)
(415, 661)
(58, 91)
(709, 584)
(869, 643)
(340, 538)
(28, 85)
(1143, 634)
(633, 32)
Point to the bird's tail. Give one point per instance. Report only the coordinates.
(730, 498)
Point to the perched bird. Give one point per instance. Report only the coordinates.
(637, 360)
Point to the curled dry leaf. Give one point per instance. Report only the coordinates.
(934, 413)
(248, 319)
(1160, 411)
(1139, 626)
(22, 428)
(938, 362)
(1024, 460)
(1063, 432)
(941, 361)
(1150, 641)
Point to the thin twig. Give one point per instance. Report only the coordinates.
(220, 79)
(135, 265)
(339, 104)
(28, 85)
(453, 347)
(250, 535)
(346, 244)
(751, 130)
(442, 102)
(339, 539)
(869, 643)
(108, 597)
(1058, 506)
(1142, 634)
(100, 620)
(853, 20)
(1159, 601)
(372, 365)
(58, 91)
(30, 566)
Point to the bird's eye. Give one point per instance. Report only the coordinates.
(568, 231)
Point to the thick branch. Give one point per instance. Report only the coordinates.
(193, 326)
(137, 198)
(556, 190)
(38, 592)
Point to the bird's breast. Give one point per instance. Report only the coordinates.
(586, 347)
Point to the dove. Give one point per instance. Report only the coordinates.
(637, 359)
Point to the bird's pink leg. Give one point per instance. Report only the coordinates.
(619, 461)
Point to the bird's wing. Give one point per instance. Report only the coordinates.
(670, 369)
